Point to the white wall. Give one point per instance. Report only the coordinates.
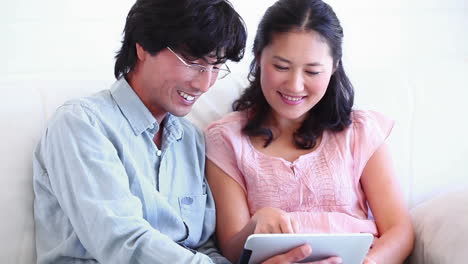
(406, 58)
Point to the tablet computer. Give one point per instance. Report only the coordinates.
(352, 247)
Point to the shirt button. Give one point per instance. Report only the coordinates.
(187, 200)
(158, 153)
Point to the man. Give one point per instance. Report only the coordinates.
(118, 176)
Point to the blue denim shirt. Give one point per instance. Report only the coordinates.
(104, 192)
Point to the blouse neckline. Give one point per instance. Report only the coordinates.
(313, 153)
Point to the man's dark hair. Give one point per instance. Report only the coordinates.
(333, 111)
(196, 28)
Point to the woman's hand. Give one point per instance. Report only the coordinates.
(298, 254)
(270, 220)
(274, 220)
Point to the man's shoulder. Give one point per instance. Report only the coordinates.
(94, 101)
(96, 110)
(97, 105)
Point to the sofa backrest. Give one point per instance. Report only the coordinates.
(22, 121)
(25, 108)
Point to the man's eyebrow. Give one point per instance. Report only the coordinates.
(287, 61)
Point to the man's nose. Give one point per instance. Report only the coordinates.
(203, 81)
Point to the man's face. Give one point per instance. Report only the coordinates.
(166, 85)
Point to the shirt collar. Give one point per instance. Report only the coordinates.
(136, 113)
(173, 129)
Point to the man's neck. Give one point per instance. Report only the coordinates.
(159, 136)
(156, 111)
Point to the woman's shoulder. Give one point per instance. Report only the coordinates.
(362, 119)
(366, 125)
(233, 121)
(361, 116)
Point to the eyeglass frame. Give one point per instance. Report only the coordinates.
(201, 68)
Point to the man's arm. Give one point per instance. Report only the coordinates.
(210, 249)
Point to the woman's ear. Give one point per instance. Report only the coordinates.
(258, 60)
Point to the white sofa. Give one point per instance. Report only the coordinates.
(441, 224)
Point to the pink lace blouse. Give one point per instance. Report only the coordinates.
(321, 189)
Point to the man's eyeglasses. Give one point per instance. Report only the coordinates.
(196, 68)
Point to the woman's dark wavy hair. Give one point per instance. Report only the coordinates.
(333, 111)
(195, 28)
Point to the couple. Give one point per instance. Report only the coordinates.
(119, 177)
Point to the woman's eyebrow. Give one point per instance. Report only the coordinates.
(288, 61)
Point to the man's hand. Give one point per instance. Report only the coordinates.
(270, 220)
(298, 254)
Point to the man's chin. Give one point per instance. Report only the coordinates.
(181, 113)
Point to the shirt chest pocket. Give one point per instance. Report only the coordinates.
(193, 209)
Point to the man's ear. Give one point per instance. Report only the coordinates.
(141, 53)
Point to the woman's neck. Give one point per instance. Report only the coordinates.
(283, 127)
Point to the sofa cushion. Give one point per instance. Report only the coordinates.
(441, 229)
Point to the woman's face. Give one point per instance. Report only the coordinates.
(295, 71)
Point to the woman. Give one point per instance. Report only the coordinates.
(295, 156)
